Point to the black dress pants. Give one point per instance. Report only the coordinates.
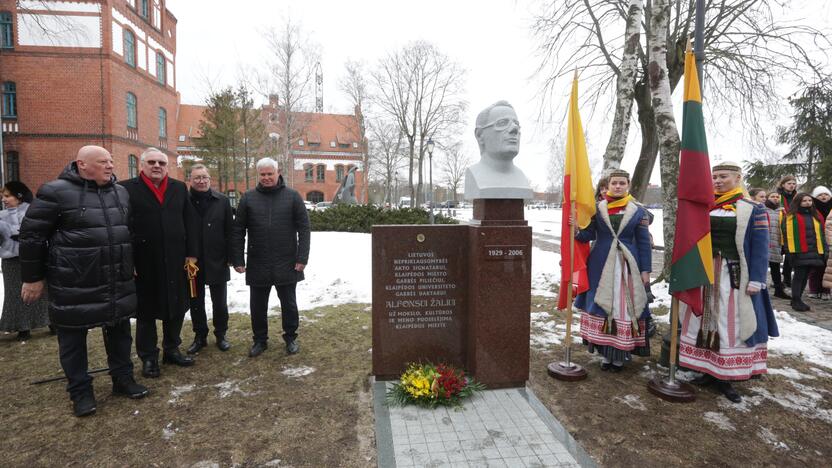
(219, 302)
(259, 299)
(146, 337)
(775, 275)
(72, 346)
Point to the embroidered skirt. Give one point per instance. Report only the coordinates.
(734, 360)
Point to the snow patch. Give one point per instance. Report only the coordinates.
(771, 439)
(796, 338)
(633, 401)
(719, 420)
(295, 372)
(178, 391)
(206, 464)
(230, 387)
(545, 332)
(807, 403)
(790, 373)
(169, 431)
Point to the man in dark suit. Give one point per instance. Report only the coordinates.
(163, 224)
(214, 238)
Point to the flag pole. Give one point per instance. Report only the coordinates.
(671, 389)
(566, 370)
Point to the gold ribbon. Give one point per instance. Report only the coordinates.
(191, 269)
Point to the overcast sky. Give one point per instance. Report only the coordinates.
(492, 43)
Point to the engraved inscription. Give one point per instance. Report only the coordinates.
(505, 252)
(423, 295)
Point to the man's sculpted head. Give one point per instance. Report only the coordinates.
(498, 132)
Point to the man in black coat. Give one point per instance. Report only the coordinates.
(277, 224)
(214, 237)
(163, 223)
(75, 238)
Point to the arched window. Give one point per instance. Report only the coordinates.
(321, 173)
(6, 30)
(132, 111)
(132, 166)
(9, 99)
(315, 196)
(160, 68)
(130, 48)
(12, 165)
(163, 123)
(307, 172)
(339, 173)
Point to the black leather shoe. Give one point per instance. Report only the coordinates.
(84, 405)
(780, 293)
(24, 335)
(703, 380)
(257, 348)
(605, 366)
(128, 387)
(176, 357)
(292, 347)
(728, 390)
(616, 369)
(150, 368)
(223, 344)
(198, 344)
(800, 306)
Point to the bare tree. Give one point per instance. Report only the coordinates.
(420, 89)
(748, 52)
(452, 166)
(388, 157)
(290, 75)
(555, 167)
(354, 85)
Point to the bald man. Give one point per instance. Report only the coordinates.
(75, 240)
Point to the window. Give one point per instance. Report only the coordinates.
(130, 48)
(6, 30)
(343, 145)
(163, 123)
(339, 173)
(143, 8)
(9, 99)
(321, 173)
(315, 197)
(307, 169)
(132, 113)
(160, 68)
(12, 166)
(132, 166)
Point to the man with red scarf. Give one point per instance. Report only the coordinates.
(163, 223)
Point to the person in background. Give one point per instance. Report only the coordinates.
(775, 248)
(727, 341)
(601, 189)
(787, 187)
(822, 198)
(614, 309)
(827, 276)
(758, 195)
(213, 212)
(75, 239)
(17, 316)
(802, 236)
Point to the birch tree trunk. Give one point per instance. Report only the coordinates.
(668, 135)
(625, 88)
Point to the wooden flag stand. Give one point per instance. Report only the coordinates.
(670, 389)
(567, 370)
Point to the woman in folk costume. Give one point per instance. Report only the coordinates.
(804, 242)
(615, 313)
(727, 341)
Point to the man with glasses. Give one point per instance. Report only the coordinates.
(163, 223)
(495, 176)
(214, 216)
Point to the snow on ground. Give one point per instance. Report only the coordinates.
(295, 372)
(719, 420)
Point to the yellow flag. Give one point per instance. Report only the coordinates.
(577, 179)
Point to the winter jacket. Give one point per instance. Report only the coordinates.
(277, 225)
(827, 276)
(802, 237)
(75, 236)
(214, 235)
(775, 251)
(163, 235)
(10, 220)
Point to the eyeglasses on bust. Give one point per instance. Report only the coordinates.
(502, 124)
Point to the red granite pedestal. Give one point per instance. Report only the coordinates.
(459, 294)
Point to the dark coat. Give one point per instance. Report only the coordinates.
(277, 224)
(163, 235)
(214, 236)
(75, 236)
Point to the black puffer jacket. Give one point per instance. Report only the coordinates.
(277, 224)
(75, 236)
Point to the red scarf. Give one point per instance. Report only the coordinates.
(159, 191)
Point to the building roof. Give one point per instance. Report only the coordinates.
(187, 124)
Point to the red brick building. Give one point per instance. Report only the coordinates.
(325, 148)
(85, 72)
